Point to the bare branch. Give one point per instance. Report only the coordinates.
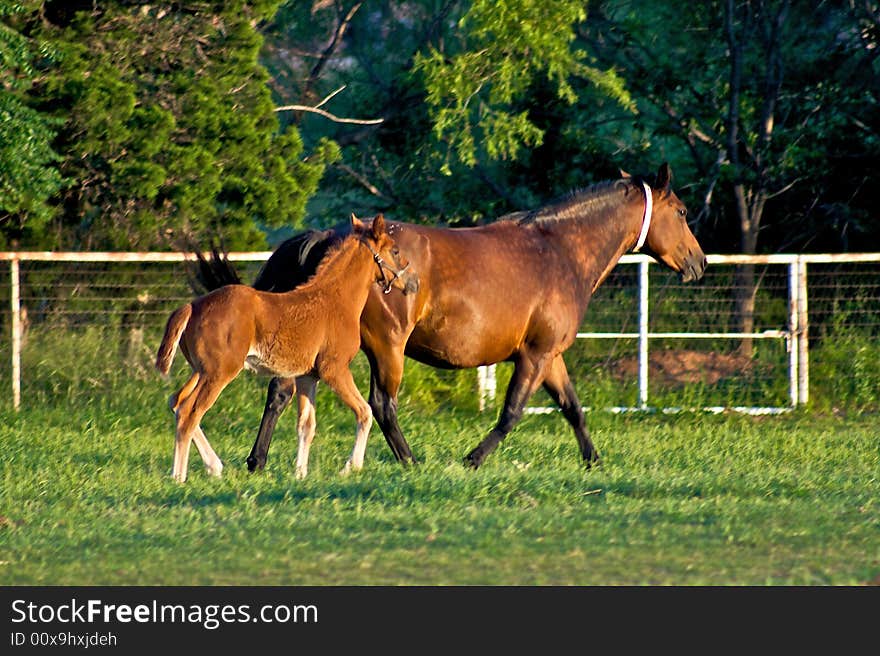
(373, 189)
(326, 114)
(330, 50)
(328, 97)
(782, 190)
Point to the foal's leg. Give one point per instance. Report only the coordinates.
(528, 373)
(212, 461)
(558, 385)
(305, 428)
(182, 439)
(277, 399)
(342, 383)
(386, 372)
(190, 411)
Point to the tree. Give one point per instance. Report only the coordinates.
(29, 176)
(169, 129)
(437, 156)
(752, 97)
(502, 51)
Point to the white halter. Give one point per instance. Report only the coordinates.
(646, 221)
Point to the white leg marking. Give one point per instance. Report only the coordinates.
(181, 457)
(306, 424)
(211, 460)
(356, 460)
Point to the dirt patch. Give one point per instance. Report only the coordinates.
(680, 367)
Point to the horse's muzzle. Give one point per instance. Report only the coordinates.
(694, 267)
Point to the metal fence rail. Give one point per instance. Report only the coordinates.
(640, 321)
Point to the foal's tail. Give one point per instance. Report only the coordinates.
(173, 330)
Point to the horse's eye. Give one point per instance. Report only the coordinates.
(682, 212)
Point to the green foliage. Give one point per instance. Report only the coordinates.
(807, 95)
(169, 131)
(28, 173)
(504, 49)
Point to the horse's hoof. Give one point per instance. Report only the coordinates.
(473, 460)
(253, 464)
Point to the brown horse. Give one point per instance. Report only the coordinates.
(311, 332)
(514, 290)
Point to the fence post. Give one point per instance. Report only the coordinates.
(15, 275)
(793, 332)
(643, 333)
(803, 335)
(486, 384)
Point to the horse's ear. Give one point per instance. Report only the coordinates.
(356, 223)
(664, 177)
(379, 225)
(624, 174)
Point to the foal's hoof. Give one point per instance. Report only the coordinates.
(592, 461)
(350, 468)
(253, 464)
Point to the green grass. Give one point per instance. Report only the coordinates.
(86, 497)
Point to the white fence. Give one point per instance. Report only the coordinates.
(630, 305)
(795, 334)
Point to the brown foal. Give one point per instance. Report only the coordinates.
(312, 331)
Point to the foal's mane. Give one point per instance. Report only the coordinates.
(336, 252)
(589, 203)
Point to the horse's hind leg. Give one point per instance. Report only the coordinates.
(305, 427)
(559, 387)
(343, 384)
(277, 399)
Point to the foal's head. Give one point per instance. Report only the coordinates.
(392, 268)
(669, 238)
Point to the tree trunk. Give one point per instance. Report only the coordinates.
(744, 285)
(750, 200)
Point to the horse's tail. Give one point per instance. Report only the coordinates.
(177, 323)
(210, 272)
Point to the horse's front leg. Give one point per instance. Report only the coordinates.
(277, 399)
(528, 373)
(386, 373)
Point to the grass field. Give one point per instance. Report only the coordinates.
(685, 499)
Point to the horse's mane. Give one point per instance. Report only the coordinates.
(593, 201)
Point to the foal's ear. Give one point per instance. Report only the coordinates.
(379, 225)
(624, 174)
(664, 178)
(356, 223)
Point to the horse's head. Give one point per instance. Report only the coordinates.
(393, 267)
(669, 239)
